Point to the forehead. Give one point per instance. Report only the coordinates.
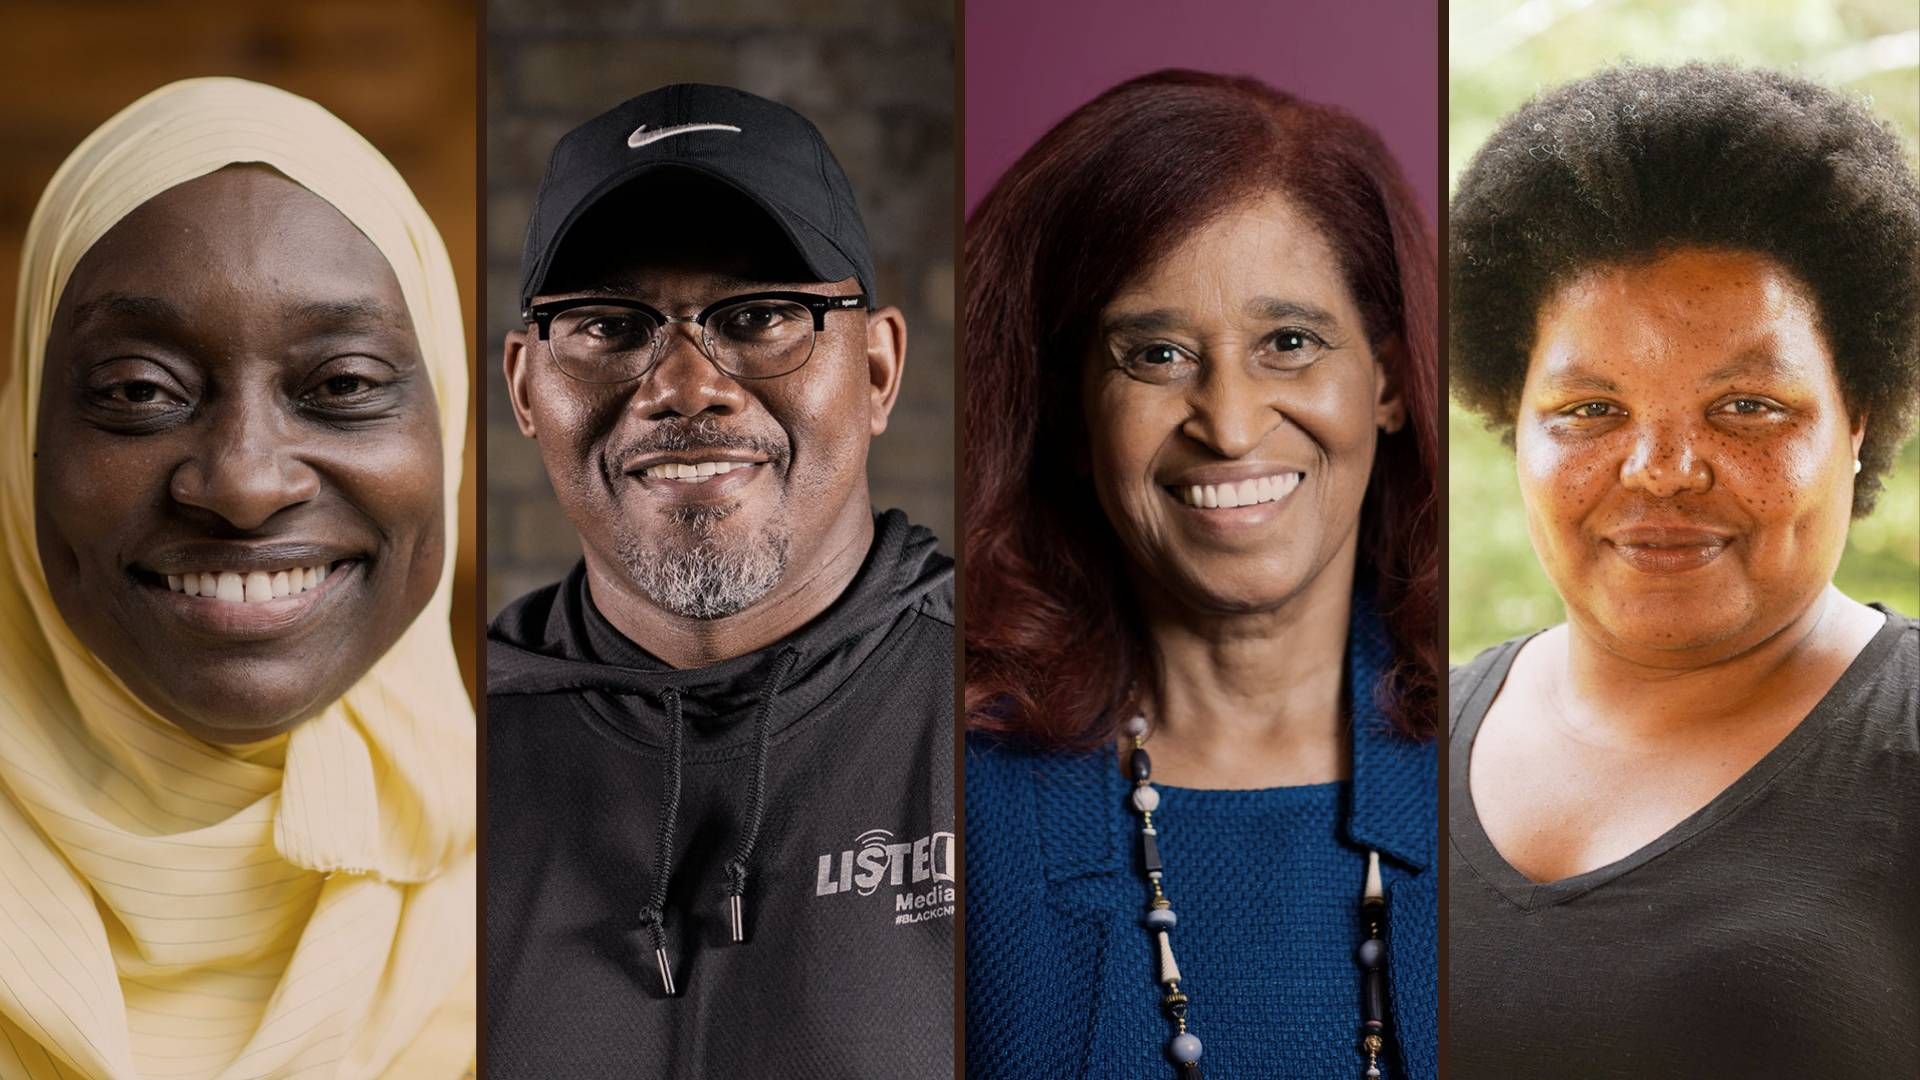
(244, 237)
(1687, 314)
(1261, 246)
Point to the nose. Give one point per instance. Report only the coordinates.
(1666, 460)
(1228, 414)
(684, 382)
(245, 469)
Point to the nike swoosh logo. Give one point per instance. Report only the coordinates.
(641, 136)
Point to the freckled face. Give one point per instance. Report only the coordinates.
(1684, 453)
(1233, 402)
(234, 393)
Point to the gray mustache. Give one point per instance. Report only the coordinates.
(682, 436)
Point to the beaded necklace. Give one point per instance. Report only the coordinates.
(1185, 1046)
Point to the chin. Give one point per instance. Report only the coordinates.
(231, 712)
(1234, 586)
(1670, 623)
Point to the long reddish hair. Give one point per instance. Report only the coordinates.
(1056, 650)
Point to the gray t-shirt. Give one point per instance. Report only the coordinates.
(1774, 933)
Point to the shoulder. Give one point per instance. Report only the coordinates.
(1480, 676)
(1004, 772)
(1891, 674)
(523, 623)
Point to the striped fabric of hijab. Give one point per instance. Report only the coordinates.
(171, 908)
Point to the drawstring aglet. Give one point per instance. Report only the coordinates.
(666, 969)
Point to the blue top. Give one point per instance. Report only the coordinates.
(1061, 975)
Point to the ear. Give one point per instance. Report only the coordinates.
(886, 360)
(1389, 411)
(517, 363)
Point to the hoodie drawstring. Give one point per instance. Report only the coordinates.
(736, 868)
(654, 915)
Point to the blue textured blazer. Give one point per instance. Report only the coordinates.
(1060, 971)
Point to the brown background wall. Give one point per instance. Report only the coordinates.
(878, 80)
(402, 74)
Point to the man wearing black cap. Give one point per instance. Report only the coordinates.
(719, 753)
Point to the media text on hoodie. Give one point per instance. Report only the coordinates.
(839, 875)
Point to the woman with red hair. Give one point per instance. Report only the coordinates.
(1201, 596)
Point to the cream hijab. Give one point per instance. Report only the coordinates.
(170, 908)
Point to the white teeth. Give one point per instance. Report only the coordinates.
(249, 587)
(1262, 489)
(674, 470)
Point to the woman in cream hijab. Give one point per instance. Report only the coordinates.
(236, 757)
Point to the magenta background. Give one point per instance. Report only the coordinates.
(1031, 62)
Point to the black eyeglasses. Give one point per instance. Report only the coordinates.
(753, 336)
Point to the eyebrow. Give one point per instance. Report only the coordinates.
(1581, 381)
(1270, 308)
(118, 305)
(1142, 322)
(1273, 307)
(357, 312)
(352, 314)
(1750, 362)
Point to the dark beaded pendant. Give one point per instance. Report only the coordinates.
(1184, 1049)
(1372, 958)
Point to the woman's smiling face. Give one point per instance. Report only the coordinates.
(1233, 401)
(1684, 452)
(238, 467)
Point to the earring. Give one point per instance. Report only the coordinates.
(1856, 466)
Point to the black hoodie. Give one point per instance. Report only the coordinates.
(846, 893)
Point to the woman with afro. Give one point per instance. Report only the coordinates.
(1686, 822)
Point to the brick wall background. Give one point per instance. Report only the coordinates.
(878, 80)
(403, 75)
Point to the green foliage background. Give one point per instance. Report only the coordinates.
(1502, 52)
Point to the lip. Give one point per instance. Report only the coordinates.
(1667, 549)
(1654, 535)
(213, 556)
(705, 489)
(1227, 474)
(1228, 521)
(691, 457)
(259, 621)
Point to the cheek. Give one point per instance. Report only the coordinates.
(1125, 431)
(1561, 479)
(1336, 411)
(1792, 476)
(826, 422)
(396, 479)
(76, 510)
(570, 423)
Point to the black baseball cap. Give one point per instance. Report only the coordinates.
(759, 148)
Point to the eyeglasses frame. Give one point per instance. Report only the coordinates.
(541, 317)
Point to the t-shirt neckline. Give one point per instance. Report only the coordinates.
(1475, 848)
